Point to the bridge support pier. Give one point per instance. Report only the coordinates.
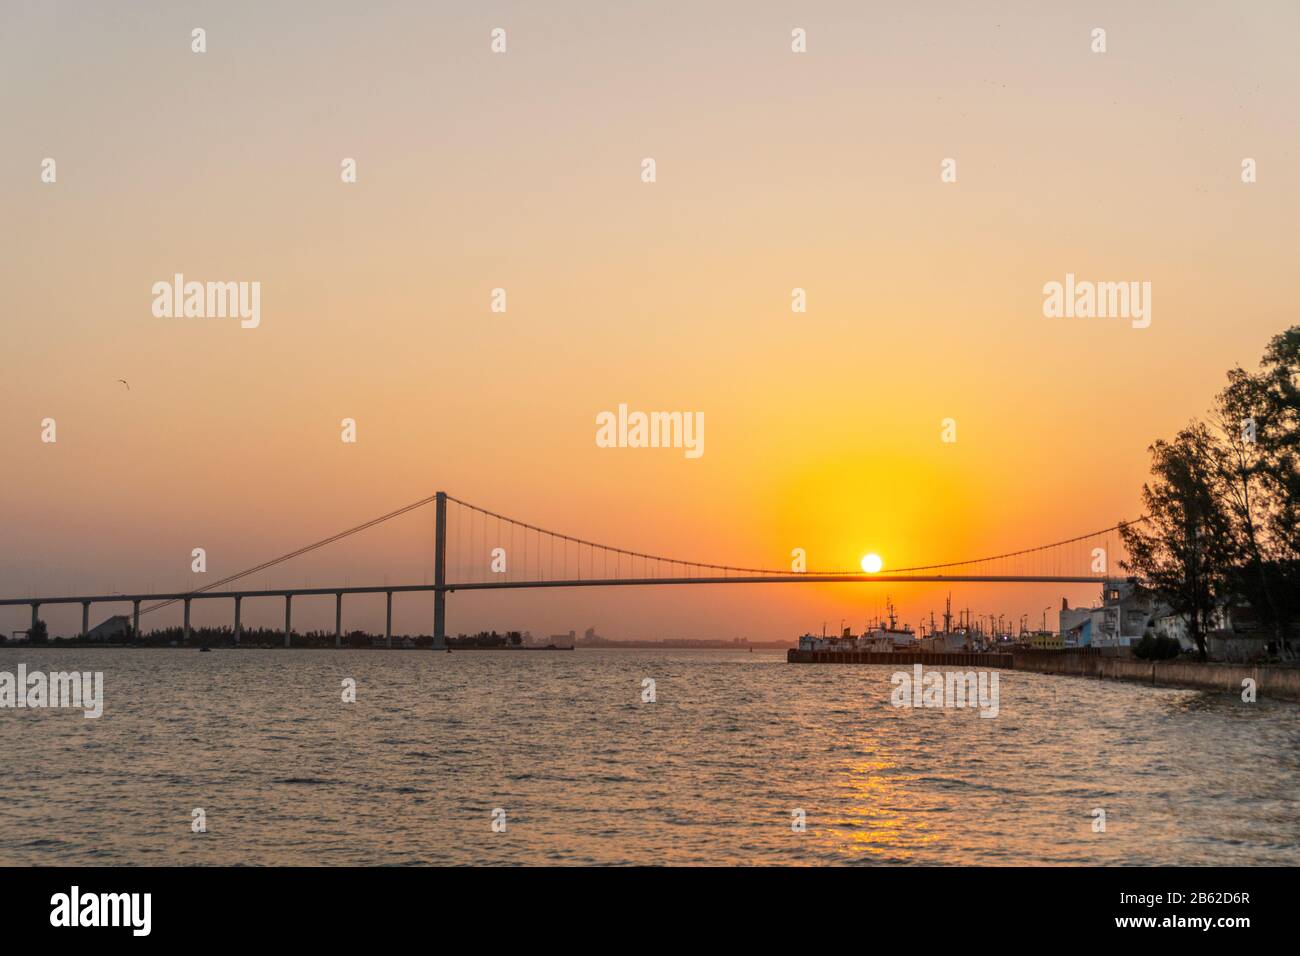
(439, 619)
(338, 619)
(135, 620)
(185, 639)
(36, 618)
(288, 618)
(85, 618)
(440, 573)
(388, 622)
(238, 630)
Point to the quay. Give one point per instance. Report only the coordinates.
(950, 659)
(1269, 680)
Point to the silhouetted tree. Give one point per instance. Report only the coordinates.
(1258, 418)
(1184, 549)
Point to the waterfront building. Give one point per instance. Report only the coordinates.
(1120, 620)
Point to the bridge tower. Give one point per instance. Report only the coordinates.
(440, 572)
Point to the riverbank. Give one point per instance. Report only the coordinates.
(1269, 680)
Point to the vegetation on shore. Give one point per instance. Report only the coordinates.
(1222, 521)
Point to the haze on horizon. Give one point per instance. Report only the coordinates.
(521, 171)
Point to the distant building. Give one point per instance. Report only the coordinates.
(1166, 623)
(1075, 625)
(1233, 632)
(116, 628)
(1120, 620)
(591, 639)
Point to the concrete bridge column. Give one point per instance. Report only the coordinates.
(288, 618)
(238, 630)
(440, 573)
(338, 619)
(388, 622)
(85, 618)
(36, 616)
(135, 619)
(185, 639)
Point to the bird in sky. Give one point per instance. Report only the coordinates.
(124, 382)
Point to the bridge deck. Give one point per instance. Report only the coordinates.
(574, 583)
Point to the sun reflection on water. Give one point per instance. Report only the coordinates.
(878, 816)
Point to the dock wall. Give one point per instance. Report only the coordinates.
(1270, 680)
(903, 658)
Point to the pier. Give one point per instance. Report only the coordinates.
(1269, 680)
(906, 658)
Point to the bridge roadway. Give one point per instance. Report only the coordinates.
(442, 590)
(119, 598)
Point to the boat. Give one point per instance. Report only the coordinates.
(951, 640)
(881, 637)
(886, 635)
(845, 642)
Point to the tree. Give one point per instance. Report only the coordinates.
(1258, 420)
(1152, 648)
(1183, 550)
(39, 633)
(1279, 379)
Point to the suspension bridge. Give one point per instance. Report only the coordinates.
(490, 551)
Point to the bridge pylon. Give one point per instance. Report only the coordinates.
(440, 572)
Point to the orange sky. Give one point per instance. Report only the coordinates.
(476, 171)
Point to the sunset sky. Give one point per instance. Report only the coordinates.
(476, 170)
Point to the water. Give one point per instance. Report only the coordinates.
(410, 774)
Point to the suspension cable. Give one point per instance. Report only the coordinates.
(579, 542)
(300, 551)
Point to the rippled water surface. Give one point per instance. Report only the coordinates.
(587, 773)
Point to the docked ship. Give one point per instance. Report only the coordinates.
(881, 636)
(886, 635)
(951, 640)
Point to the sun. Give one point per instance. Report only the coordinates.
(872, 563)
